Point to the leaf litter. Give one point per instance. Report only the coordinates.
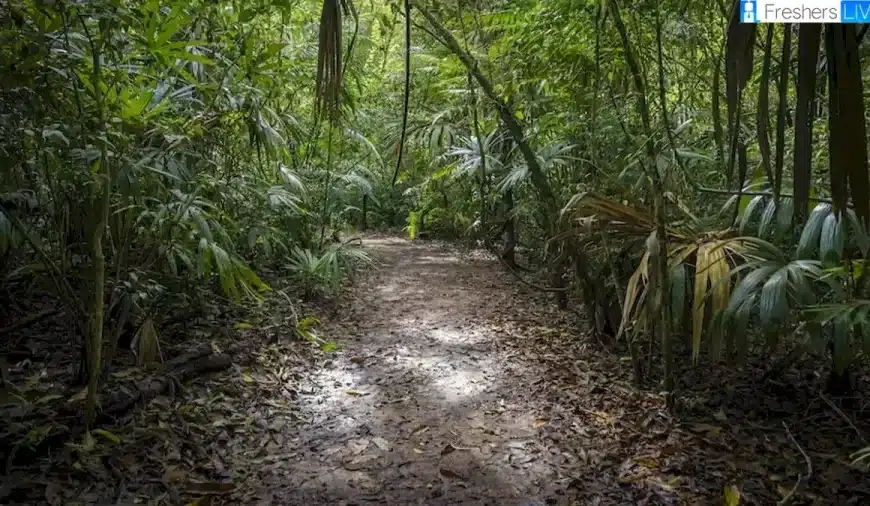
(442, 351)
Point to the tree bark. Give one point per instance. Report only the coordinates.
(809, 40)
(782, 111)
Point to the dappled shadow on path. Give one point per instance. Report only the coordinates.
(455, 385)
(419, 407)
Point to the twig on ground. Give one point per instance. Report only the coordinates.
(29, 320)
(787, 499)
(842, 415)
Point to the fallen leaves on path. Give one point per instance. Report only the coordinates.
(455, 385)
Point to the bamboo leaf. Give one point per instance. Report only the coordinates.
(631, 296)
(784, 215)
(720, 280)
(859, 233)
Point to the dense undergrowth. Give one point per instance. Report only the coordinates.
(699, 187)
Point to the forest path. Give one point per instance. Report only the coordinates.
(430, 401)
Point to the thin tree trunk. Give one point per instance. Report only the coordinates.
(407, 97)
(510, 231)
(98, 269)
(482, 175)
(324, 219)
(718, 134)
(763, 118)
(782, 111)
(660, 240)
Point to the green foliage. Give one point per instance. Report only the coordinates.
(305, 329)
(197, 125)
(322, 274)
(414, 223)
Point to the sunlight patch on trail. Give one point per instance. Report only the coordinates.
(431, 354)
(440, 259)
(450, 335)
(342, 387)
(463, 383)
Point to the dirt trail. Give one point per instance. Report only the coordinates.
(456, 385)
(426, 403)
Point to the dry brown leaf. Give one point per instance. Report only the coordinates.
(209, 488)
(174, 475)
(449, 474)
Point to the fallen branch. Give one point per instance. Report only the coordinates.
(191, 355)
(842, 415)
(788, 497)
(121, 401)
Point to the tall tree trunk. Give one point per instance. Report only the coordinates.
(407, 97)
(809, 38)
(739, 46)
(848, 140)
(763, 118)
(782, 111)
(718, 134)
(325, 217)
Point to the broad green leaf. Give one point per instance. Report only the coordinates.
(773, 306)
(748, 211)
(767, 218)
(831, 242)
(809, 240)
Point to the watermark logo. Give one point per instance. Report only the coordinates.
(747, 11)
(805, 11)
